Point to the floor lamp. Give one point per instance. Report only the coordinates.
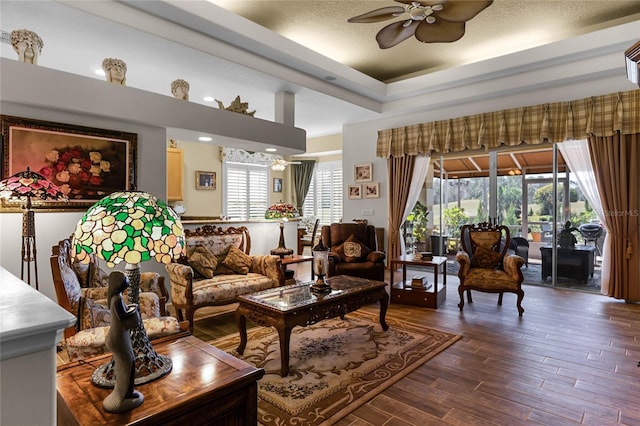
(130, 227)
(25, 186)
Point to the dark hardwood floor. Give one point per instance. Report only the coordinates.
(571, 359)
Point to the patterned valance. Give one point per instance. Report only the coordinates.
(554, 122)
(238, 155)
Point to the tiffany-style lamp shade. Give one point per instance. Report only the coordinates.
(27, 185)
(130, 227)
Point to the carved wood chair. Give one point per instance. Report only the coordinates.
(485, 264)
(308, 241)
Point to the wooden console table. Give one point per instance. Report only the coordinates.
(206, 386)
(577, 263)
(430, 297)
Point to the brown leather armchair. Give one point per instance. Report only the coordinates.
(353, 251)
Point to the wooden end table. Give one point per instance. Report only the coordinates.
(206, 386)
(295, 258)
(430, 297)
(287, 307)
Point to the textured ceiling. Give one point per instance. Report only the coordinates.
(506, 26)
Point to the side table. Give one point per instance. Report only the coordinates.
(290, 260)
(206, 386)
(430, 297)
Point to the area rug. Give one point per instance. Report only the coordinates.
(335, 365)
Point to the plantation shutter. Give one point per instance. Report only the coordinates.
(324, 199)
(246, 191)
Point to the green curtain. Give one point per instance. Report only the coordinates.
(302, 174)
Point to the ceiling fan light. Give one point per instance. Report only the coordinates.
(430, 19)
(437, 7)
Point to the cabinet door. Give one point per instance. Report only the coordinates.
(175, 160)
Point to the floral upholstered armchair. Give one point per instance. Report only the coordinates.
(485, 264)
(80, 290)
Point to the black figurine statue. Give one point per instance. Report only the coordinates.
(123, 318)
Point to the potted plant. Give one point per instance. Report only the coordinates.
(566, 239)
(419, 220)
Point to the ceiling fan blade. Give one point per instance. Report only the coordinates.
(440, 31)
(462, 10)
(395, 33)
(377, 15)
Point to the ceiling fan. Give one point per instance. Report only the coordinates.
(279, 164)
(431, 21)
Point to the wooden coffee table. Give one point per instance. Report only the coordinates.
(289, 306)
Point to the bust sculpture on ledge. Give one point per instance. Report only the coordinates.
(123, 318)
(180, 89)
(27, 44)
(115, 71)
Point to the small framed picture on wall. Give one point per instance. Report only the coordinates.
(205, 180)
(277, 184)
(363, 172)
(372, 190)
(355, 192)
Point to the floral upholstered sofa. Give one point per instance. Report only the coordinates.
(218, 268)
(82, 290)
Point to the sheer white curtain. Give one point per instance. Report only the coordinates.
(577, 155)
(420, 171)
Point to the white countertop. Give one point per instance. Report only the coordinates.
(29, 320)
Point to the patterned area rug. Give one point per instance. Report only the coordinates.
(335, 365)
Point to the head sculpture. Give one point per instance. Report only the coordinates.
(180, 89)
(27, 44)
(115, 71)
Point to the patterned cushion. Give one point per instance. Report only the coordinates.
(94, 313)
(485, 258)
(225, 288)
(91, 342)
(238, 261)
(203, 261)
(485, 254)
(352, 250)
(216, 244)
(490, 279)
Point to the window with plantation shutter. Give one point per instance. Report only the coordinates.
(324, 199)
(245, 190)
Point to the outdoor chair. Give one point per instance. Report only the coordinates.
(485, 264)
(520, 246)
(591, 232)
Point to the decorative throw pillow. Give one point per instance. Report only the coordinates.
(485, 258)
(238, 261)
(203, 261)
(93, 313)
(352, 250)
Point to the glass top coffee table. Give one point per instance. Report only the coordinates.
(289, 306)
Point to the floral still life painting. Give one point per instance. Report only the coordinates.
(85, 163)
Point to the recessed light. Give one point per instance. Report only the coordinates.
(208, 99)
(205, 139)
(271, 150)
(99, 71)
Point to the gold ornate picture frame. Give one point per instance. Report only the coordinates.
(86, 163)
(206, 180)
